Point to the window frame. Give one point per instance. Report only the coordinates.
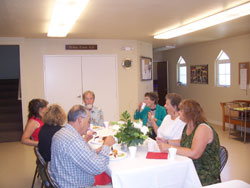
(217, 75)
(179, 65)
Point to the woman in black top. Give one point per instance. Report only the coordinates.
(53, 120)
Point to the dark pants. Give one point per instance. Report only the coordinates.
(152, 134)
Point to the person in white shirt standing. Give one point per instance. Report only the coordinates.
(171, 127)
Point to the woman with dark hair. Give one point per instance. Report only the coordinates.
(152, 112)
(36, 108)
(171, 127)
(199, 142)
(53, 120)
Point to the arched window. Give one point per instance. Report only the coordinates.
(181, 72)
(223, 70)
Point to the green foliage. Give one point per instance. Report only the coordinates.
(128, 134)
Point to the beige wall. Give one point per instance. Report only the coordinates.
(145, 50)
(209, 96)
(32, 51)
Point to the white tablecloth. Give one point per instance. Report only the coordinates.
(230, 184)
(152, 173)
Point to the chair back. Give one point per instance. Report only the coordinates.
(50, 179)
(39, 157)
(223, 157)
(41, 167)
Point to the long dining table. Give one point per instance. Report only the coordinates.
(230, 184)
(140, 172)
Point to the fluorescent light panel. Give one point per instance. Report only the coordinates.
(65, 14)
(209, 21)
(164, 48)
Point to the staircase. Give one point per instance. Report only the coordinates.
(11, 125)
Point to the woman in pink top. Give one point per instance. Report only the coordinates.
(37, 108)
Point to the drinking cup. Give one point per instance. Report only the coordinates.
(151, 145)
(172, 153)
(132, 151)
(143, 105)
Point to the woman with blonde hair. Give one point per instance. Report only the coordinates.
(53, 119)
(199, 142)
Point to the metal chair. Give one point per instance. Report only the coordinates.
(223, 157)
(51, 181)
(35, 176)
(40, 165)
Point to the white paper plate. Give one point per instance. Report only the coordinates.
(97, 141)
(96, 128)
(120, 155)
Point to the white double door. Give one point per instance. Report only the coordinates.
(67, 77)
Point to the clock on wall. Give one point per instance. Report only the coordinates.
(127, 63)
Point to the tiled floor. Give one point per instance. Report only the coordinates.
(17, 162)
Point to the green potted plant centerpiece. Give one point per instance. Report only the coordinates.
(131, 133)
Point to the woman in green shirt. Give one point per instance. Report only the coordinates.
(152, 111)
(199, 142)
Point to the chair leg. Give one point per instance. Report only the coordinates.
(34, 178)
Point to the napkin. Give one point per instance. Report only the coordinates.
(156, 155)
(102, 179)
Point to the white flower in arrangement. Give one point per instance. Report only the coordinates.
(144, 130)
(138, 125)
(116, 127)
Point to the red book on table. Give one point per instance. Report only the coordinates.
(156, 155)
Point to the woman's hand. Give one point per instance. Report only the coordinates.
(139, 106)
(163, 146)
(150, 117)
(161, 140)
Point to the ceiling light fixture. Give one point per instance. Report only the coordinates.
(209, 21)
(164, 48)
(65, 14)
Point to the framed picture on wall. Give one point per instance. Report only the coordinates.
(146, 68)
(199, 74)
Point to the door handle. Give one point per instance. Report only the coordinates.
(79, 96)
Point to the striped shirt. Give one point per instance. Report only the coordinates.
(73, 162)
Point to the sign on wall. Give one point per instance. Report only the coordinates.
(81, 47)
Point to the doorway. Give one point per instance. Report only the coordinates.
(161, 80)
(11, 124)
(67, 77)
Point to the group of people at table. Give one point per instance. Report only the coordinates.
(73, 163)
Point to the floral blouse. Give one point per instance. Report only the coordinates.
(96, 116)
